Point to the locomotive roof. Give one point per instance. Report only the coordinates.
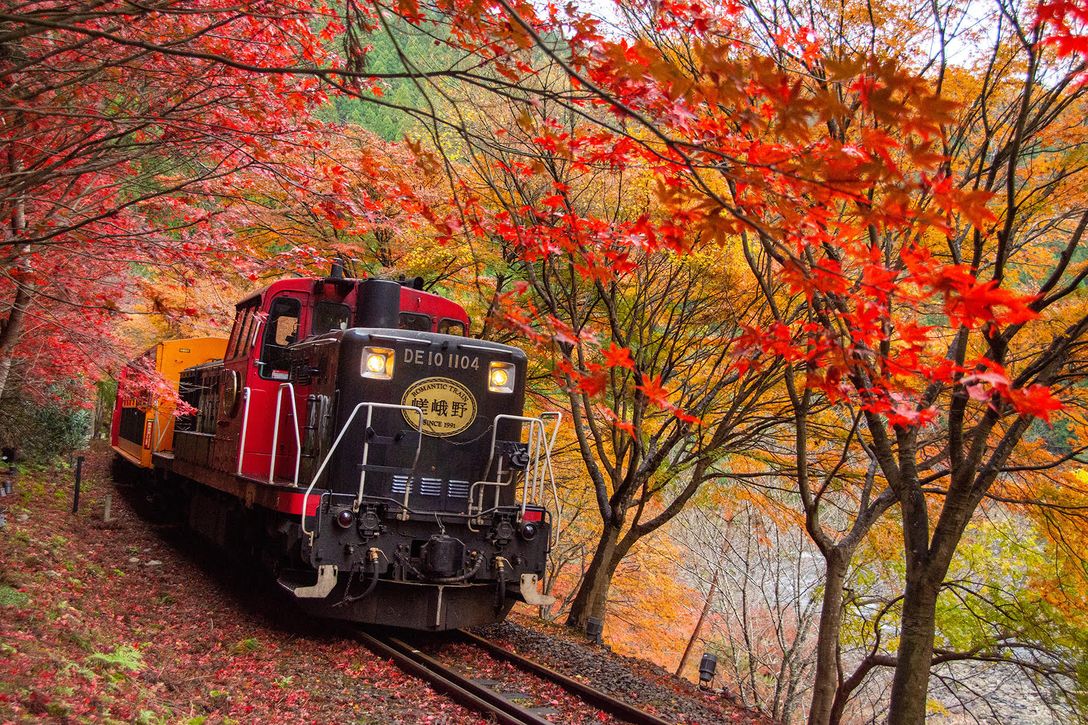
(306, 284)
(375, 334)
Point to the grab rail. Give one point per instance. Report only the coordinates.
(245, 428)
(366, 451)
(539, 445)
(276, 434)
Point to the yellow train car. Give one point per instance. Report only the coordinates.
(142, 425)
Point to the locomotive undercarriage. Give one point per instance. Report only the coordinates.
(414, 605)
(429, 571)
(425, 587)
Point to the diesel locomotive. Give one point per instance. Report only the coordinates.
(351, 438)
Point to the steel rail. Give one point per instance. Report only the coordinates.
(445, 680)
(613, 706)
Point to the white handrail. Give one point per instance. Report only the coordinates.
(245, 428)
(497, 483)
(157, 435)
(551, 473)
(276, 433)
(362, 478)
(539, 445)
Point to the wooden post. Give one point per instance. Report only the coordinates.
(79, 478)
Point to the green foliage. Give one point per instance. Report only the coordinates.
(58, 609)
(123, 657)
(1058, 438)
(43, 431)
(57, 710)
(247, 645)
(384, 56)
(106, 395)
(149, 717)
(990, 596)
(10, 597)
(992, 603)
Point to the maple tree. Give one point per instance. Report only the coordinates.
(660, 321)
(116, 122)
(936, 438)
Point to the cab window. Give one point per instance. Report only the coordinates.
(449, 326)
(415, 321)
(242, 333)
(330, 316)
(235, 332)
(281, 330)
(248, 333)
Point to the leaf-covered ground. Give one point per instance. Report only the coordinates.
(102, 622)
(127, 621)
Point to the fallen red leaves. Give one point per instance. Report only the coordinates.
(112, 622)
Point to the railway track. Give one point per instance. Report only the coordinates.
(482, 697)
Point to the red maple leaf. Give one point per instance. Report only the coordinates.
(976, 304)
(615, 356)
(591, 384)
(1034, 400)
(654, 391)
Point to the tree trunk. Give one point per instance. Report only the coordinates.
(910, 685)
(12, 328)
(826, 682)
(11, 331)
(593, 594)
(686, 657)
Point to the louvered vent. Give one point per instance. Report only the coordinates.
(430, 486)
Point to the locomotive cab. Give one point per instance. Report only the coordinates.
(387, 456)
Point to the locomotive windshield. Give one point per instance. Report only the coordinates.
(415, 321)
(329, 316)
(450, 326)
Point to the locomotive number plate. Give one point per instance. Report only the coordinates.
(439, 359)
(448, 407)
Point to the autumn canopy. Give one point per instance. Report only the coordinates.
(824, 261)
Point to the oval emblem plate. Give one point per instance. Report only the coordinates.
(448, 407)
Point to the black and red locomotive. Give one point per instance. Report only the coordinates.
(375, 458)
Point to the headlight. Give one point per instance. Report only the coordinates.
(500, 377)
(377, 363)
